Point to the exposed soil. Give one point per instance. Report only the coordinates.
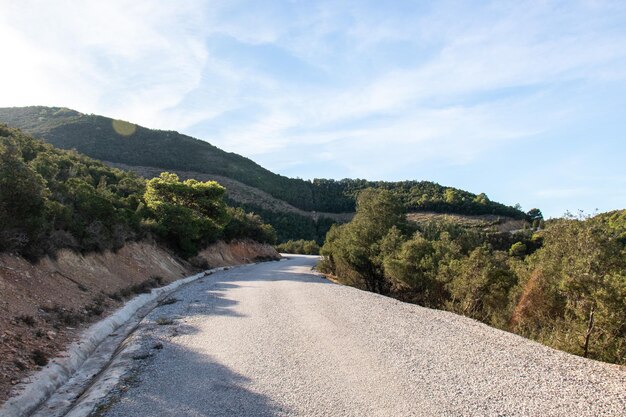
(236, 253)
(482, 221)
(44, 306)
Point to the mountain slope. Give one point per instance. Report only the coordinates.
(122, 142)
(295, 207)
(52, 199)
(106, 139)
(237, 192)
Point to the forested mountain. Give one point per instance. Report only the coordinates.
(52, 199)
(122, 142)
(560, 282)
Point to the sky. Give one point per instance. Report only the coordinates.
(522, 100)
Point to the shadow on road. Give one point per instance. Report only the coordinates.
(179, 381)
(205, 388)
(213, 301)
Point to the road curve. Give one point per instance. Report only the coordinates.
(275, 339)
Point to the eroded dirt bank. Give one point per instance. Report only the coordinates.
(43, 306)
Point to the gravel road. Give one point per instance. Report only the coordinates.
(276, 339)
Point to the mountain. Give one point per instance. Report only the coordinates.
(53, 199)
(105, 139)
(297, 208)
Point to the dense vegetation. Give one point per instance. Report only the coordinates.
(292, 226)
(105, 139)
(340, 196)
(564, 285)
(301, 247)
(52, 199)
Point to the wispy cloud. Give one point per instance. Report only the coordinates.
(369, 89)
(126, 58)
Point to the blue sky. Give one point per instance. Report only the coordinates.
(525, 101)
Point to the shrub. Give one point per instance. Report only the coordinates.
(301, 247)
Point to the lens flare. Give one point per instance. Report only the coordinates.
(124, 128)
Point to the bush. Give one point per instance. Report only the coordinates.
(244, 225)
(301, 247)
(564, 286)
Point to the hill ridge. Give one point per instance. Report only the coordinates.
(297, 208)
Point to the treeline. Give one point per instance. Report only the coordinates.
(300, 247)
(340, 196)
(564, 286)
(52, 199)
(97, 137)
(291, 226)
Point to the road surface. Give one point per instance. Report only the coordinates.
(276, 339)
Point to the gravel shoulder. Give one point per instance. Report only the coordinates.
(276, 339)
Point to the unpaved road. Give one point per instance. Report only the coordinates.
(275, 339)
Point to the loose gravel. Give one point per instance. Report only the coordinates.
(275, 339)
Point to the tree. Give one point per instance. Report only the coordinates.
(189, 214)
(579, 277)
(535, 217)
(22, 199)
(481, 199)
(303, 247)
(482, 289)
(354, 248)
(451, 196)
(244, 225)
(414, 267)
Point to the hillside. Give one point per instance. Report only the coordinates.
(99, 137)
(562, 285)
(238, 192)
(482, 222)
(122, 142)
(52, 199)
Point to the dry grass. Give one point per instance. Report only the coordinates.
(483, 222)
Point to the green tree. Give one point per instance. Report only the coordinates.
(414, 267)
(536, 217)
(354, 248)
(482, 288)
(242, 225)
(188, 214)
(22, 199)
(579, 276)
(303, 247)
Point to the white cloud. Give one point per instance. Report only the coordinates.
(123, 58)
(448, 83)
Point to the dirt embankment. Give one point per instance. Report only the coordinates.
(236, 253)
(43, 306)
(487, 222)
